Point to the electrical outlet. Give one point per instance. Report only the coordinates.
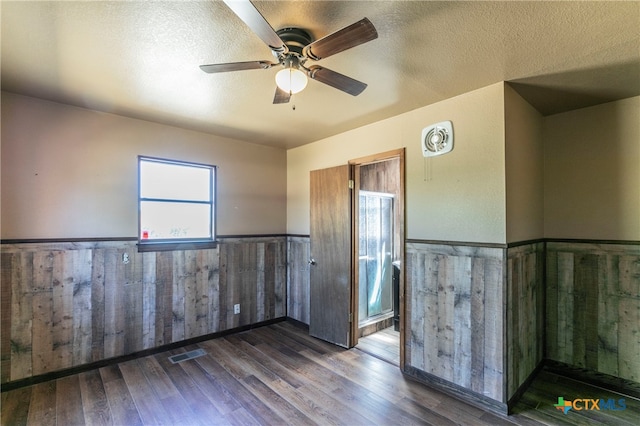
(236, 308)
(125, 258)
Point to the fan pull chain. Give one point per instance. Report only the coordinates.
(428, 173)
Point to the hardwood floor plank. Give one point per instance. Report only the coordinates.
(241, 417)
(180, 412)
(492, 419)
(571, 389)
(390, 370)
(292, 332)
(366, 374)
(110, 373)
(532, 409)
(276, 402)
(523, 420)
(371, 406)
(149, 407)
(319, 385)
(237, 391)
(69, 401)
(123, 409)
(94, 399)
(157, 377)
(279, 375)
(203, 372)
(234, 361)
(351, 400)
(298, 395)
(42, 410)
(166, 392)
(358, 397)
(193, 395)
(371, 379)
(391, 382)
(382, 381)
(308, 400)
(278, 370)
(426, 414)
(459, 411)
(14, 407)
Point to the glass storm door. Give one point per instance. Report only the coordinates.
(375, 256)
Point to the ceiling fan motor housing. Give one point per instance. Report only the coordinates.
(295, 38)
(437, 139)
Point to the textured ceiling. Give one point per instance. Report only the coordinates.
(140, 59)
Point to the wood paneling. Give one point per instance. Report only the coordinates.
(455, 307)
(298, 252)
(593, 307)
(525, 313)
(6, 268)
(69, 304)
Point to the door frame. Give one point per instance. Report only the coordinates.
(400, 205)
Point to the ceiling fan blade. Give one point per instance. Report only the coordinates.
(237, 66)
(281, 96)
(337, 80)
(353, 35)
(248, 13)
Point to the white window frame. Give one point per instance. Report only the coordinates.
(157, 244)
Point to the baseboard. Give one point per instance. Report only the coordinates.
(16, 384)
(298, 323)
(606, 381)
(456, 391)
(513, 400)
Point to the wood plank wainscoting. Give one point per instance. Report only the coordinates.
(480, 320)
(485, 319)
(593, 306)
(298, 277)
(525, 314)
(456, 332)
(65, 304)
(476, 318)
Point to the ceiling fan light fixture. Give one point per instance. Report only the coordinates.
(292, 47)
(291, 80)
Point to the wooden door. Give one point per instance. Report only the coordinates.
(330, 285)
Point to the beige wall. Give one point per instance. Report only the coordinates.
(592, 172)
(524, 169)
(459, 196)
(69, 172)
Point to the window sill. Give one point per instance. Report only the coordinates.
(173, 246)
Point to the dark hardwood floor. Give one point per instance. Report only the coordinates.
(383, 344)
(277, 375)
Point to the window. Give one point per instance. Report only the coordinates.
(176, 204)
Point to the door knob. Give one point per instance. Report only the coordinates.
(312, 261)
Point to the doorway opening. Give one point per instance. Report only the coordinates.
(378, 254)
(334, 290)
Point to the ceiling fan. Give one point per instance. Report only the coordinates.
(292, 47)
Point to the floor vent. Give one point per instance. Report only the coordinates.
(187, 355)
